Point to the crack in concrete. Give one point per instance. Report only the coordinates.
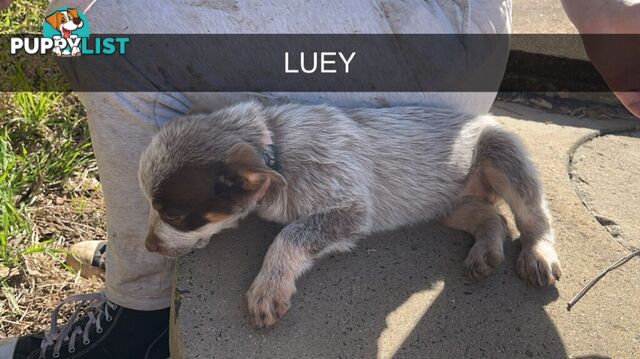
(610, 225)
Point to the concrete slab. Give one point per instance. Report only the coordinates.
(404, 293)
(607, 174)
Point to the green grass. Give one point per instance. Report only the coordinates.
(44, 139)
(40, 146)
(23, 16)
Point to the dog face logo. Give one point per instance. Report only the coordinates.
(65, 32)
(66, 26)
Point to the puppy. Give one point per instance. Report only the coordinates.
(333, 176)
(66, 22)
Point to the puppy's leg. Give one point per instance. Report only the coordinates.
(507, 170)
(477, 216)
(293, 252)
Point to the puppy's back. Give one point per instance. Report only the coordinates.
(423, 156)
(404, 163)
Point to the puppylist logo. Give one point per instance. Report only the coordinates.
(65, 32)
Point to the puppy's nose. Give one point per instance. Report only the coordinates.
(151, 243)
(77, 21)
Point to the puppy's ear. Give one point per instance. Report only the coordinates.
(245, 162)
(54, 19)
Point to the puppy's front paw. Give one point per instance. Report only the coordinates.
(269, 299)
(483, 259)
(539, 264)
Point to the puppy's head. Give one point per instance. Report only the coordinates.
(199, 182)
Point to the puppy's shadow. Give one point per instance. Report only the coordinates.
(399, 294)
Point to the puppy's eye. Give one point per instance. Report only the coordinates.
(175, 218)
(226, 181)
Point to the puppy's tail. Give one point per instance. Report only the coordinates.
(505, 168)
(502, 153)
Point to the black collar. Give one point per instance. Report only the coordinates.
(269, 156)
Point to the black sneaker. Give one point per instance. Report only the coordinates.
(105, 330)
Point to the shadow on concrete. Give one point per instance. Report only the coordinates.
(401, 294)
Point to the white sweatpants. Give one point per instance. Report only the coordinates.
(122, 124)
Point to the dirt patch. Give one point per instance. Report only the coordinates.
(64, 214)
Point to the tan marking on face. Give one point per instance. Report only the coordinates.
(253, 179)
(216, 217)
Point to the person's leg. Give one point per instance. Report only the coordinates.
(121, 126)
(425, 17)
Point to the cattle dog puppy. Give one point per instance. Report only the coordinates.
(332, 176)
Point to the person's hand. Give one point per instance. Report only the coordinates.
(615, 57)
(4, 4)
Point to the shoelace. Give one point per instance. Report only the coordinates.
(98, 306)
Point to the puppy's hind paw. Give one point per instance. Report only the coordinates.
(483, 259)
(539, 265)
(268, 301)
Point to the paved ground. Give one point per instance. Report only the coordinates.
(545, 17)
(540, 17)
(607, 175)
(404, 293)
